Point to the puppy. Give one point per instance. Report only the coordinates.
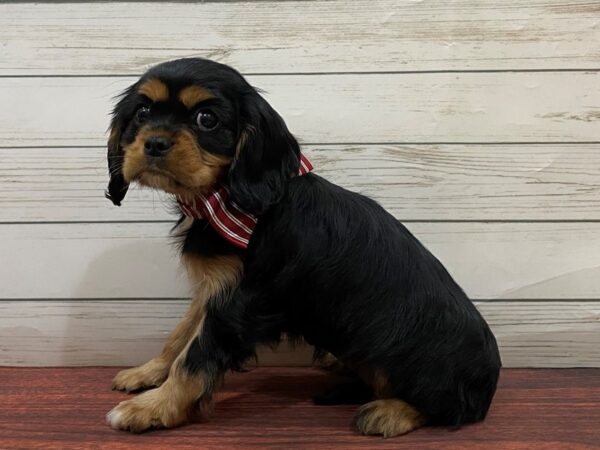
(272, 248)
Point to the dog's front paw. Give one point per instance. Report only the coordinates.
(151, 374)
(133, 416)
(149, 410)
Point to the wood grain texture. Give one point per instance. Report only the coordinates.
(137, 260)
(130, 332)
(303, 36)
(117, 332)
(413, 182)
(387, 90)
(270, 408)
(340, 108)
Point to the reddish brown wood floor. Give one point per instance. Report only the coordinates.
(270, 408)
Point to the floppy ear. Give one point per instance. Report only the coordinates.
(117, 187)
(266, 158)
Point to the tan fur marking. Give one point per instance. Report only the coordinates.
(244, 136)
(186, 170)
(182, 397)
(328, 362)
(218, 271)
(192, 95)
(377, 379)
(388, 417)
(381, 384)
(151, 374)
(178, 400)
(209, 275)
(155, 90)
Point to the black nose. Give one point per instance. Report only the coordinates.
(157, 146)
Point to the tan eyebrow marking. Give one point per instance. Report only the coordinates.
(155, 90)
(192, 95)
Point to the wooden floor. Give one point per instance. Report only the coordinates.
(271, 408)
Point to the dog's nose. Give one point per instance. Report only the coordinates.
(157, 146)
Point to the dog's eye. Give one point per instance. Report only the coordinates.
(207, 120)
(142, 113)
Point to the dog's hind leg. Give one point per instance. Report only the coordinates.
(350, 390)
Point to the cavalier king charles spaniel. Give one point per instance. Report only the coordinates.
(273, 249)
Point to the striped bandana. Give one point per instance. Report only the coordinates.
(228, 219)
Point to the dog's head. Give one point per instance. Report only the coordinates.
(190, 124)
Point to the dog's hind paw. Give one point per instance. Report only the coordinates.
(388, 417)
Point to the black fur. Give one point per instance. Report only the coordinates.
(333, 267)
(123, 111)
(352, 392)
(268, 158)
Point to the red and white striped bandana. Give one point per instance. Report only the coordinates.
(227, 218)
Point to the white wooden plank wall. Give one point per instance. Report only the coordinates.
(475, 122)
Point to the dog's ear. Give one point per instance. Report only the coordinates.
(267, 156)
(117, 186)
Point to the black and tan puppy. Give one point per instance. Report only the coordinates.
(272, 248)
